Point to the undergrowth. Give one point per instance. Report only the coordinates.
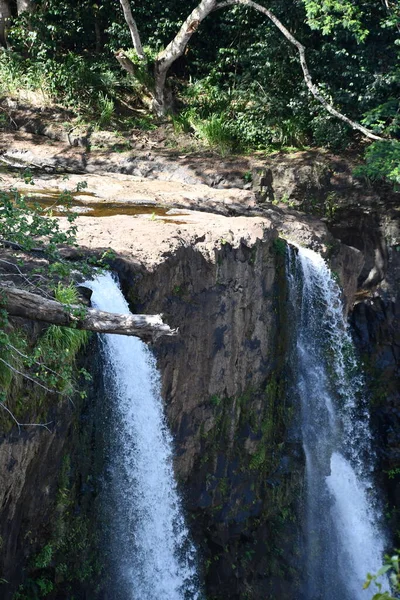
(37, 368)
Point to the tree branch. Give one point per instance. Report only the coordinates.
(41, 366)
(302, 55)
(45, 425)
(28, 377)
(20, 303)
(24, 277)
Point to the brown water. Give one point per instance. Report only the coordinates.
(50, 199)
(100, 209)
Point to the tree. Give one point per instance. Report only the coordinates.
(5, 18)
(177, 46)
(390, 570)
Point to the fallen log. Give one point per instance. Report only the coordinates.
(20, 303)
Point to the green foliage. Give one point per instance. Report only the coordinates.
(393, 473)
(44, 558)
(218, 133)
(62, 343)
(240, 118)
(382, 162)
(69, 557)
(77, 82)
(328, 132)
(385, 118)
(58, 347)
(143, 72)
(51, 361)
(240, 78)
(390, 570)
(10, 381)
(327, 15)
(279, 246)
(107, 107)
(66, 294)
(29, 225)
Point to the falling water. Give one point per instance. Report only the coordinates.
(152, 554)
(343, 540)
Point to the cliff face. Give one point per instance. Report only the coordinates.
(48, 499)
(226, 385)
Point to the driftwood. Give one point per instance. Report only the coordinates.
(20, 303)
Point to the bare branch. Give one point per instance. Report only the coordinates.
(45, 425)
(24, 277)
(29, 378)
(302, 55)
(42, 366)
(14, 246)
(9, 116)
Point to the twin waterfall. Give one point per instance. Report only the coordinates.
(341, 535)
(152, 555)
(151, 551)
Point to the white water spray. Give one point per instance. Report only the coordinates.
(152, 554)
(343, 539)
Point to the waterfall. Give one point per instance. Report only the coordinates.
(150, 549)
(342, 537)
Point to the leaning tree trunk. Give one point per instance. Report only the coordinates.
(5, 17)
(174, 50)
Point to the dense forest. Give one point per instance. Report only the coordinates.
(240, 75)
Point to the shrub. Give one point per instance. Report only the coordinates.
(382, 163)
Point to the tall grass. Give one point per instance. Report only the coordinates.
(64, 342)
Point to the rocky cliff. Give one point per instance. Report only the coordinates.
(226, 378)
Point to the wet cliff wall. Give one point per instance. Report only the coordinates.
(375, 322)
(48, 494)
(226, 385)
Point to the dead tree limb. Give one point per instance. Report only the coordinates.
(20, 303)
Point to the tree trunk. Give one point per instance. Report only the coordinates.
(20, 303)
(175, 49)
(24, 6)
(5, 17)
(137, 44)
